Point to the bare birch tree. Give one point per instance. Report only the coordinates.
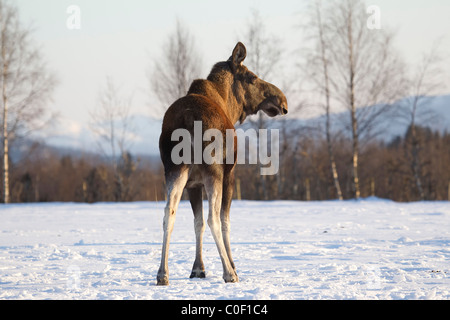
(112, 123)
(317, 68)
(174, 71)
(424, 82)
(26, 84)
(263, 58)
(365, 71)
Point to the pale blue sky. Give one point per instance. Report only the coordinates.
(119, 38)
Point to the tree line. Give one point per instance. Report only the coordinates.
(387, 172)
(342, 65)
(47, 175)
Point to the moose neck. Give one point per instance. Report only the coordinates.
(222, 79)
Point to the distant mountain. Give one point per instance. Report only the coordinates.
(434, 113)
(70, 134)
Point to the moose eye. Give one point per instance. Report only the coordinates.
(253, 79)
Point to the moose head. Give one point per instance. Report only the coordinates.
(253, 93)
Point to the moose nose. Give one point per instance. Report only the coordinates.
(284, 109)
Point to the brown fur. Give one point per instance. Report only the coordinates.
(229, 94)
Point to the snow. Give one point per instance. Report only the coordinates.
(368, 249)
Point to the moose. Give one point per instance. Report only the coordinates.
(228, 95)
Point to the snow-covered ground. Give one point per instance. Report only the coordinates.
(369, 249)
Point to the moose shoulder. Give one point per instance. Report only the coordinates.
(228, 95)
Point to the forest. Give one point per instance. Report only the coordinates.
(385, 171)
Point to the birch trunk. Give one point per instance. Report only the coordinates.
(6, 197)
(334, 172)
(354, 121)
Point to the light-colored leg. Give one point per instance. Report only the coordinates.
(175, 187)
(228, 186)
(214, 190)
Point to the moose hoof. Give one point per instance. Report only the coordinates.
(231, 279)
(198, 274)
(162, 281)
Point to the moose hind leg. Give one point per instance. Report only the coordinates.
(196, 199)
(228, 186)
(214, 190)
(175, 187)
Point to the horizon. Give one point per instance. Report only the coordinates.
(144, 145)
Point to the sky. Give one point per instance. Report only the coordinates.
(120, 39)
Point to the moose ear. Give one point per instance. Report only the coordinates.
(238, 56)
